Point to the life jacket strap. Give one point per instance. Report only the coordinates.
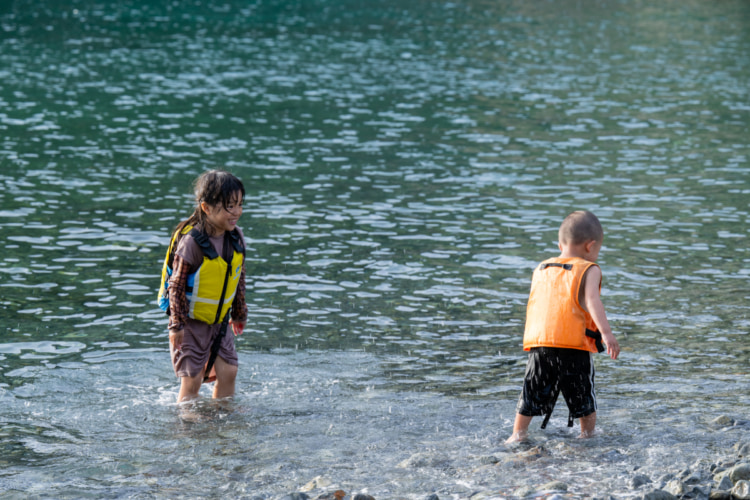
(204, 243)
(597, 336)
(570, 419)
(235, 234)
(544, 266)
(546, 419)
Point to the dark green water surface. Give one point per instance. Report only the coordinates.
(407, 165)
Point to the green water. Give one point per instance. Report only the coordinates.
(407, 165)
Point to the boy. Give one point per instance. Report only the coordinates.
(562, 318)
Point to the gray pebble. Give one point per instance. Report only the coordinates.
(666, 478)
(524, 491)
(554, 486)
(725, 483)
(722, 421)
(676, 488)
(659, 495)
(739, 472)
(639, 480)
(693, 479)
(720, 495)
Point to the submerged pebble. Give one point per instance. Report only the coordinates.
(722, 421)
(639, 480)
(724, 479)
(315, 483)
(743, 449)
(554, 486)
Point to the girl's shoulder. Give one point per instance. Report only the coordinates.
(189, 250)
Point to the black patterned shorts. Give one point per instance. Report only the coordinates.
(552, 370)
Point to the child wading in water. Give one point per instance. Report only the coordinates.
(565, 323)
(206, 279)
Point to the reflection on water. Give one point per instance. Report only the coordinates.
(407, 166)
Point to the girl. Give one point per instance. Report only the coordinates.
(206, 279)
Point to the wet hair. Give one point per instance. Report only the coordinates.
(580, 227)
(213, 187)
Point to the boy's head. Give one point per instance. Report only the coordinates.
(579, 228)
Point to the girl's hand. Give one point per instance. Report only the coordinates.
(175, 339)
(238, 327)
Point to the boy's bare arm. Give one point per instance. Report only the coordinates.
(593, 304)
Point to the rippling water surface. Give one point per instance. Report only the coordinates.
(407, 165)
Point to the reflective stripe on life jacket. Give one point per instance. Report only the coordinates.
(554, 317)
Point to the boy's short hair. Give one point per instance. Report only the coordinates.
(580, 227)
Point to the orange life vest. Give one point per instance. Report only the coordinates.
(554, 317)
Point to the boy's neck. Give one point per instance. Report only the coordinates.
(571, 253)
(588, 251)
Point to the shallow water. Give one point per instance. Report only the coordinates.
(407, 165)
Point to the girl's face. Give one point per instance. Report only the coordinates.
(224, 218)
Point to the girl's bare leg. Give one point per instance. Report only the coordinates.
(189, 388)
(225, 377)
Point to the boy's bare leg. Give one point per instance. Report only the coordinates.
(520, 429)
(588, 425)
(226, 374)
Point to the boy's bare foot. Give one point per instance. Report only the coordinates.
(517, 437)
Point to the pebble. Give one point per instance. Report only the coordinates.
(524, 491)
(739, 472)
(720, 495)
(419, 460)
(725, 479)
(554, 486)
(675, 487)
(722, 421)
(741, 490)
(296, 496)
(317, 482)
(658, 495)
(725, 483)
(639, 480)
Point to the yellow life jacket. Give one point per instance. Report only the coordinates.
(554, 317)
(214, 282)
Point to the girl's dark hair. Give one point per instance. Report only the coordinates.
(213, 187)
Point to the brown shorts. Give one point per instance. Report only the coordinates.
(196, 347)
